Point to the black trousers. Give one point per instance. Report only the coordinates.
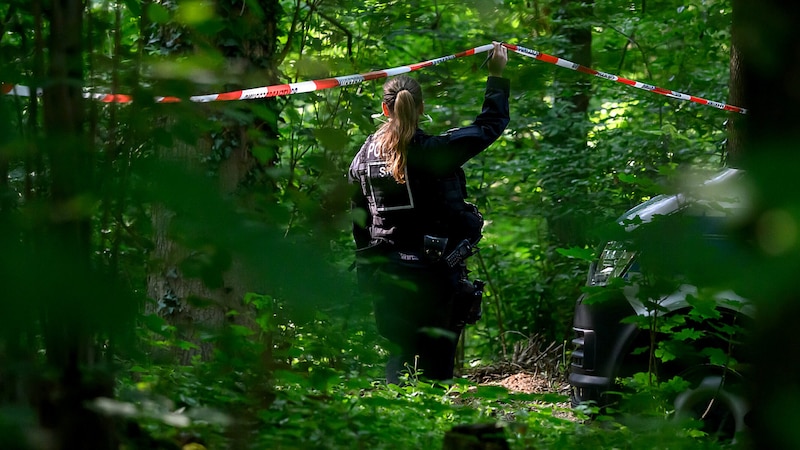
(415, 311)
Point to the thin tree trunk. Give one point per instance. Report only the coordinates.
(63, 407)
(566, 224)
(733, 148)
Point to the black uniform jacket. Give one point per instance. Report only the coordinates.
(399, 215)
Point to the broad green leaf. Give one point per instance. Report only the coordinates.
(158, 13)
(585, 254)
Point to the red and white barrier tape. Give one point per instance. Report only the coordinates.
(608, 76)
(327, 83)
(25, 91)
(271, 91)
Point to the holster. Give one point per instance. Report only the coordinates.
(468, 299)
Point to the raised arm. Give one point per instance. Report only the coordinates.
(442, 154)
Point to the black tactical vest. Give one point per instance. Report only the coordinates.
(427, 204)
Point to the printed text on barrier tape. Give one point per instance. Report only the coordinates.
(348, 80)
(608, 76)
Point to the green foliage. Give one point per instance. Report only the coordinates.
(685, 344)
(314, 406)
(294, 361)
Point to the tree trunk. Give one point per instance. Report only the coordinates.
(68, 334)
(580, 51)
(566, 223)
(733, 148)
(186, 302)
(178, 297)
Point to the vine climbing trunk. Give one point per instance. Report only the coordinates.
(202, 305)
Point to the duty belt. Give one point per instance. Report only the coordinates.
(434, 248)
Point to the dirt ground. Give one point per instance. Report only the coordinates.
(533, 368)
(532, 384)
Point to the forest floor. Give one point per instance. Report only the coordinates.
(531, 382)
(524, 381)
(533, 368)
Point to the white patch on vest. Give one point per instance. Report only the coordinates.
(377, 170)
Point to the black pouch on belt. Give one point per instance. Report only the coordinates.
(433, 247)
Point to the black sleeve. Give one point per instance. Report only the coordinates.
(449, 151)
(359, 207)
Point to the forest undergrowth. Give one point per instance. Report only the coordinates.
(228, 403)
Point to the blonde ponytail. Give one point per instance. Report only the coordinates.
(403, 98)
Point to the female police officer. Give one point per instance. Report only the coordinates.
(418, 227)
